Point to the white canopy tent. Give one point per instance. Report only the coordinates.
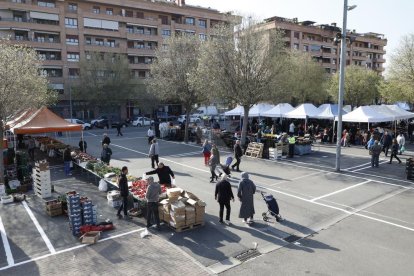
(403, 105)
(366, 114)
(237, 111)
(303, 111)
(278, 111)
(328, 111)
(400, 113)
(259, 109)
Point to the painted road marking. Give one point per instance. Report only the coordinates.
(342, 190)
(6, 244)
(296, 178)
(360, 169)
(39, 228)
(186, 154)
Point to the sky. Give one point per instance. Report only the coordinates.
(393, 18)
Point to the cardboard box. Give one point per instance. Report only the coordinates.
(55, 212)
(191, 202)
(91, 237)
(191, 196)
(177, 224)
(178, 207)
(53, 205)
(189, 220)
(166, 217)
(174, 193)
(161, 212)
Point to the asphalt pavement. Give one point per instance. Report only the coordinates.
(356, 222)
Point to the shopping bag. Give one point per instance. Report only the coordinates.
(173, 182)
(103, 186)
(71, 164)
(402, 149)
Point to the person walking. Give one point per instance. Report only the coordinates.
(67, 159)
(150, 134)
(106, 140)
(245, 194)
(154, 152)
(213, 162)
(31, 148)
(386, 141)
(401, 143)
(106, 154)
(375, 152)
(206, 150)
(370, 142)
(83, 145)
(199, 134)
(215, 152)
(164, 173)
(238, 153)
(123, 188)
(223, 195)
(394, 151)
(152, 195)
(118, 129)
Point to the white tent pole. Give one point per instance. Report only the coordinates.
(333, 130)
(82, 141)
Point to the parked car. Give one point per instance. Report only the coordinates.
(193, 119)
(85, 126)
(142, 121)
(100, 122)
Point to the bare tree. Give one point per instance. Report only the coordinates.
(400, 75)
(22, 87)
(173, 72)
(361, 86)
(105, 81)
(244, 70)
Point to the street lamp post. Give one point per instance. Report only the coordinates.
(341, 85)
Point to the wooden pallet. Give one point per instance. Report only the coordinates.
(254, 150)
(187, 227)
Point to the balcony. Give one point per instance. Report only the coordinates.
(139, 66)
(101, 48)
(28, 24)
(379, 60)
(138, 36)
(101, 32)
(140, 51)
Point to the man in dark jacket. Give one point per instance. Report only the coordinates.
(164, 173)
(118, 129)
(238, 153)
(223, 195)
(386, 141)
(123, 188)
(83, 145)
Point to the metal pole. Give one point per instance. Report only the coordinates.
(341, 89)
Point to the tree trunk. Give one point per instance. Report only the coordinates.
(245, 121)
(1, 152)
(187, 121)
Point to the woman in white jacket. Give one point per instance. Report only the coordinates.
(401, 142)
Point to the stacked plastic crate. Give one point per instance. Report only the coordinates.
(88, 213)
(41, 179)
(74, 212)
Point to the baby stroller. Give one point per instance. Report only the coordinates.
(226, 167)
(272, 208)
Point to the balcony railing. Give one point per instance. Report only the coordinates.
(105, 44)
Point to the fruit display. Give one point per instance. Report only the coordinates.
(82, 156)
(139, 188)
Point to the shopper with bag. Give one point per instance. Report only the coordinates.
(401, 143)
(106, 154)
(67, 160)
(152, 196)
(394, 151)
(245, 194)
(206, 152)
(375, 152)
(123, 188)
(154, 152)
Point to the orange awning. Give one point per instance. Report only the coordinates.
(40, 121)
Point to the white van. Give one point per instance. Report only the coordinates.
(206, 111)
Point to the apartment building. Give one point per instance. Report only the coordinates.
(63, 32)
(366, 49)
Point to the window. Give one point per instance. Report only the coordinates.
(296, 35)
(139, 30)
(306, 48)
(333, 71)
(334, 61)
(189, 21)
(73, 57)
(335, 51)
(87, 56)
(100, 74)
(165, 47)
(99, 42)
(130, 29)
(109, 11)
(140, 15)
(96, 9)
(48, 4)
(202, 23)
(202, 37)
(88, 41)
(141, 74)
(72, 7)
(164, 19)
(110, 43)
(129, 13)
(166, 32)
(18, 1)
(315, 48)
(72, 40)
(73, 73)
(328, 70)
(296, 46)
(71, 23)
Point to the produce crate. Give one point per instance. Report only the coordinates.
(186, 227)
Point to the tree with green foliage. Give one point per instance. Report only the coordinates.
(244, 70)
(361, 86)
(304, 78)
(399, 85)
(173, 71)
(105, 81)
(22, 87)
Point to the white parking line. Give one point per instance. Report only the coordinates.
(39, 228)
(339, 191)
(360, 169)
(354, 167)
(6, 245)
(296, 178)
(187, 154)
